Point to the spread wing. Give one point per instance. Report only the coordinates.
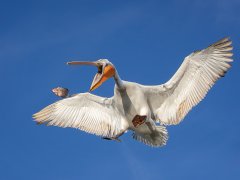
(87, 112)
(171, 101)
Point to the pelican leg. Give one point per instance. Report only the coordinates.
(115, 139)
(138, 120)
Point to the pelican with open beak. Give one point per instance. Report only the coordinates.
(145, 110)
(105, 68)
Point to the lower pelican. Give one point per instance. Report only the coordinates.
(141, 109)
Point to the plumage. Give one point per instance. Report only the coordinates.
(138, 107)
(190, 84)
(86, 112)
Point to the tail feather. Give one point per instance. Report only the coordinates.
(158, 138)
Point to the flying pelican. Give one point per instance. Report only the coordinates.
(145, 110)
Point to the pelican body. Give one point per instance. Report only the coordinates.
(145, 110)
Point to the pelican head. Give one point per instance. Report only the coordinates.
(105, 71)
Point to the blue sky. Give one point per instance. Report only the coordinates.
(147, 41)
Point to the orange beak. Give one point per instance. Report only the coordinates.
(102, 75)
(105, 71)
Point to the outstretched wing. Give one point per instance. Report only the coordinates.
(172, 101)
(87, 112)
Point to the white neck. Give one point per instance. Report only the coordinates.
(118, 81)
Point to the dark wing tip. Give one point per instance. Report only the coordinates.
(224, 42)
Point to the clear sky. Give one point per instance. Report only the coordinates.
(147, 41)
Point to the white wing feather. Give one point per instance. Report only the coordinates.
(87, 112)
(172, 101)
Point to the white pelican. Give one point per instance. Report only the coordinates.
(139, 108)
